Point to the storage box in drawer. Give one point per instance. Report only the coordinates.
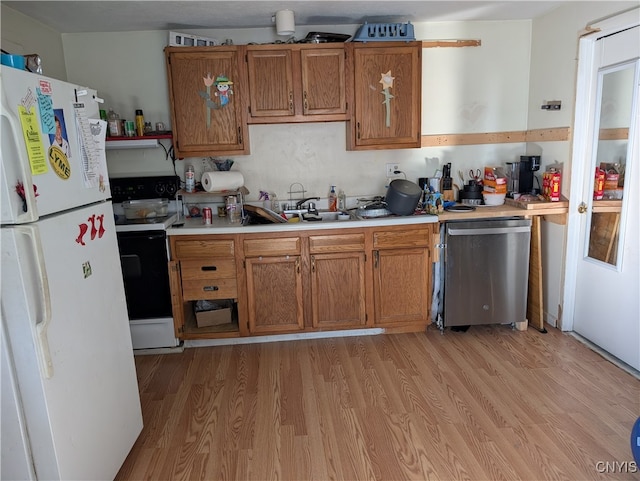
(272, 247)
(193, 290)
(408, 238)
(336, 243)
(208, 269)
(203, 248)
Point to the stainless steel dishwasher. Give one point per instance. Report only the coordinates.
(486, 271)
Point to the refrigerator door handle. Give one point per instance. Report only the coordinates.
(43, 308)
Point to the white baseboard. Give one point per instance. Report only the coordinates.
(282, 337)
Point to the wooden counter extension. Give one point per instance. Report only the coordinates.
(555, 212)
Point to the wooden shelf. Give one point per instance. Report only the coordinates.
(144, 137)
(144, 142)
(608, 205)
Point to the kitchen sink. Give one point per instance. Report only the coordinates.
(303, 215)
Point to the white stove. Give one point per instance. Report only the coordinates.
(144, 255)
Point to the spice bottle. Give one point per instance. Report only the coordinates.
(139, 123)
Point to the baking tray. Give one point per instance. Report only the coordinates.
(265, 213)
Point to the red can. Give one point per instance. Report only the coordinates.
(598, 186)
(551, 185)
(207, 216)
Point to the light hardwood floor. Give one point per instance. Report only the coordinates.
(487, 404)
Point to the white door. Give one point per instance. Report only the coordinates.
(606, 232)
(64, 309)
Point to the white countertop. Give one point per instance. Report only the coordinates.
(223, 226)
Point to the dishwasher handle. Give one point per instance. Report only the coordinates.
(487, 230)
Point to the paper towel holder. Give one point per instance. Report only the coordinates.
(285, 22)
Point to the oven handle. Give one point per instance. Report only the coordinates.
(147, 235)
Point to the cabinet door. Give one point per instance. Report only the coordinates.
(323, 81)
(387, 97)
(206, 85)
(270, 82)
(338, 290)
(402, 286)
(274, 294)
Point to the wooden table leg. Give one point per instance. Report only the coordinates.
(535, 304)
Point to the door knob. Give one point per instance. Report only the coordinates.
(582, 208)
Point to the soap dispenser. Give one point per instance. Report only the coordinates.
(333, 199)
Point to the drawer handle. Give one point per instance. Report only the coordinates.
(210, 288)
(209, 268)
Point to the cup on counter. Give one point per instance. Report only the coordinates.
(129, 128)
(233, 212)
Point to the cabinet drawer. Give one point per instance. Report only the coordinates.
(408, 238)
(193, 290)
(336, 243)
(208, 269)
(185, 249)
(272, 247)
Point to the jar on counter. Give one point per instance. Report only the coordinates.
(233, 214)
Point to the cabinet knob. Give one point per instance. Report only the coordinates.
(210, 288)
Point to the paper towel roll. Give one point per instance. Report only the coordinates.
(221, 181)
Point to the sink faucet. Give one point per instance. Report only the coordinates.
(299, 203)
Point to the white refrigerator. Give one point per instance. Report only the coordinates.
(70, 401)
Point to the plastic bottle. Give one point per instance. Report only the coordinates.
(189, 179)
(139, 123)
(342, 200)
(333, 199)
(115, 126)
(275, 204)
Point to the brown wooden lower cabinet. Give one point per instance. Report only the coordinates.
(338, 290)
(274, 294)
(402, 277)
(312, 281)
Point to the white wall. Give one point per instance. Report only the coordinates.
(479, 89)
(554, 54)
(22, 35)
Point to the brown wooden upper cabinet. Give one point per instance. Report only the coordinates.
(296, 83)
(386, 91)
(207, 91)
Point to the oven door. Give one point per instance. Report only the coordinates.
(143, 256)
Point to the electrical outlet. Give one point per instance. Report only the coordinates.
(391, 168)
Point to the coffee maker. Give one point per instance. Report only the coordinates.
(528, 165)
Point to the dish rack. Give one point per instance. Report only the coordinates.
(376, 32)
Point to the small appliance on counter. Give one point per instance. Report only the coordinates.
(528, 165)
(145, 207)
